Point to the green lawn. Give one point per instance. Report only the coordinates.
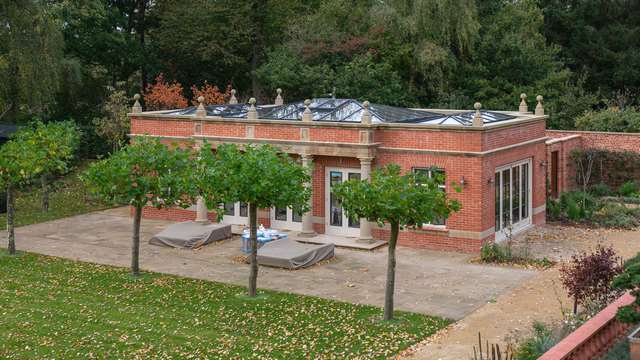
(56, 308)
(67, 198)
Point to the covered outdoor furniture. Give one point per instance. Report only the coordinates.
(264, 236)
(291, 254)
(191, 235)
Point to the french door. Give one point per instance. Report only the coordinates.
(512, 198)
(285, 218)
(337, 222)
(236, 213)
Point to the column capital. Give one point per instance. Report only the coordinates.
(365, 159)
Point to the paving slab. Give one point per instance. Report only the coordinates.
(429, 282)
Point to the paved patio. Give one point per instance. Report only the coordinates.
(429, 282)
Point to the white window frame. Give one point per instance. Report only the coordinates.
(429, 171)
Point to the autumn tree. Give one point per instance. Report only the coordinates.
(263, 178)
(146, 172)
(211, 94)
(408, 200)
(163, 95)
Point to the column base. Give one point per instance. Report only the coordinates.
(202, 222)
(365, 240)
(307, 234)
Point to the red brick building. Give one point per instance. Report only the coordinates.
(498, 158)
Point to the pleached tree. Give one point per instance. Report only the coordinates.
(263, 178)
(400, 201)
(146, 172)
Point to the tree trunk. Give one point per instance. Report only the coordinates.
(391, 273)
(44, 179)
(575, 306)
(135, 249)
(253, 257)
(10, 218)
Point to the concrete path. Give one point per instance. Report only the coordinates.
(429, 282)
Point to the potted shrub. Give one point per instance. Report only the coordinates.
(630, 280)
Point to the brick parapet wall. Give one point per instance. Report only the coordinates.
(602, 140)
(595, 337)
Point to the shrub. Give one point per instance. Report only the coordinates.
(629, 280)
(554, 210)
(578, 205)
(600, 189)
(542, 340)
(588, 277)
(618, 216)
(493, 253)
(629, 189)
(614, 120)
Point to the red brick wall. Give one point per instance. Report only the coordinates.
(594, 338)
(566, 167)
(477, 196)
(603, 140)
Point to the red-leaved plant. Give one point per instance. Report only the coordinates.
(164, 96)
(588, 277)
(211, 94)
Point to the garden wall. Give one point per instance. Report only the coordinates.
(595, 337)
(602, 140)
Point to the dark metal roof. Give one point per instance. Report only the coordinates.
(346, 110)
(6, 130)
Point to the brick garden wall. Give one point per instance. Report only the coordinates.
(603, 140)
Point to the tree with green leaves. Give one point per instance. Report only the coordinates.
(115, 124)
(263, 178)
(629, 280)
(55, 145)
(408, 200)
(146, 172)
(31, 58)
(20, 163)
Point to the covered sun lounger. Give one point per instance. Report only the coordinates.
(291, 254)
(191, 235)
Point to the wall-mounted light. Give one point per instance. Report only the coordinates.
(543, 163)
(463, 181)
(490, 181)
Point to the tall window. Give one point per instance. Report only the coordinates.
(434, 172)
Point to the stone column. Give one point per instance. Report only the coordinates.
(202, 212)
(365, 225)
(307, 218)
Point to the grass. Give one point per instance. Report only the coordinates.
(57, 308)
(67, 198)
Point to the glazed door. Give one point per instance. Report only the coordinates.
(336, 220)
(554, 175)
(285, 218)
(236, 213)
(512, 198)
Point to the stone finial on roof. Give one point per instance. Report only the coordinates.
(200, 111)
(539, 107)
(366, 114)
(523, 103)
(307, 116)
(232, 99)
(252, 114)
(279, 99)
(477, 118)
(137, 108)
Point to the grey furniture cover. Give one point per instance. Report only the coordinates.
(291, 254)
(191, 235)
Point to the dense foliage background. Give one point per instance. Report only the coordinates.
(64, 59)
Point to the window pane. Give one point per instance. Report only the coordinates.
(297, 217)
(506, 197)
(281, 214)
(525, 191)
(497, 200)
(229, 209)
(354, 223)
(335, 208)
(515, 208)
(244, 209)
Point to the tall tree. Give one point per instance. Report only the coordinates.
(146, 172)
(55, 145)
(262, 178)
(408, 200)
(19, 164)
(31, 58)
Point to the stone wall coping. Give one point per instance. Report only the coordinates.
(565, 348)
(562, 139)
(160, 115)
(578, 132)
